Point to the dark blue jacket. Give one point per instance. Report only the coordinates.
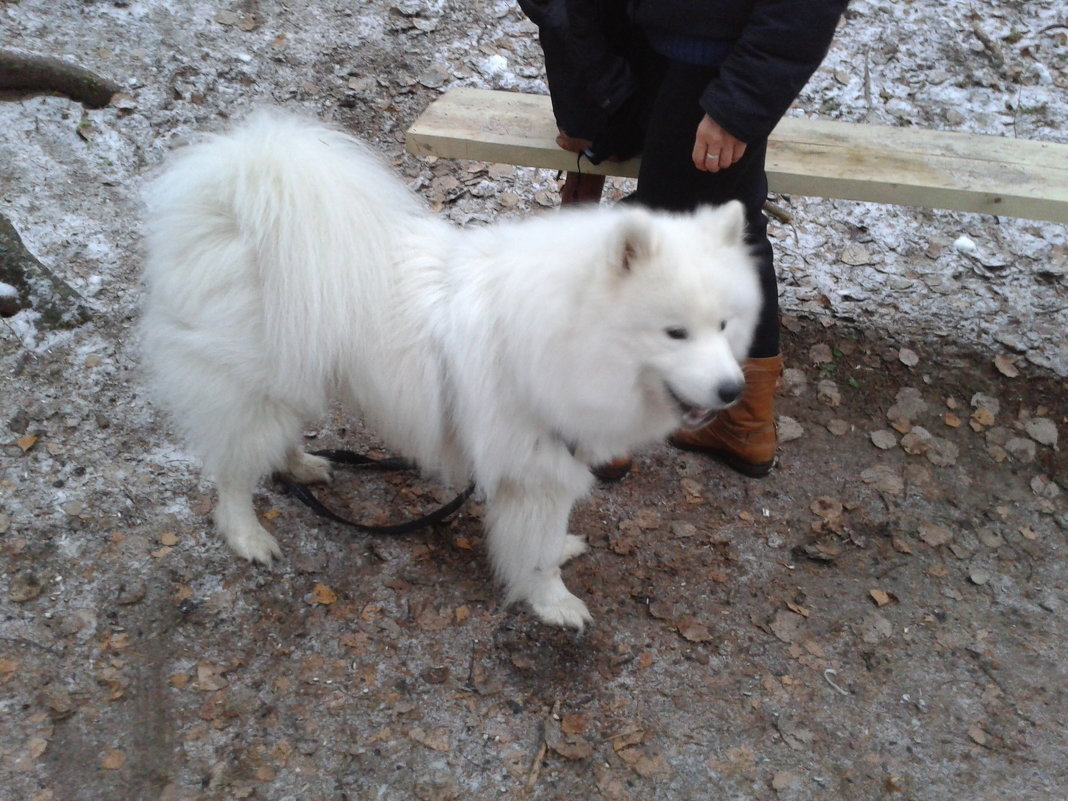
(778, 44)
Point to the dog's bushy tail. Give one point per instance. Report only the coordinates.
(310, 209)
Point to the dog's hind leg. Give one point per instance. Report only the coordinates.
(306, 468)
(528, 541)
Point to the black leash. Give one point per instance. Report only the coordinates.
(359, 461)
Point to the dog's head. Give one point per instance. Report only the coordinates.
(686, 305)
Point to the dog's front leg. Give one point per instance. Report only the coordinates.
(528, 541)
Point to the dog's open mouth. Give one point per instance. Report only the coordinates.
(692, 416)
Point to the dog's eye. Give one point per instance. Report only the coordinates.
(677, 333)
(723, 326)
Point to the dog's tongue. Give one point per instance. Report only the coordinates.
(695, 418)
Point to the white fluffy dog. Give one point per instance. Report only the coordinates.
(289, 267)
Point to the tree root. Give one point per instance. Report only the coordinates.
(28, 73)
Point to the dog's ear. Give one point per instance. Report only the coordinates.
(634, 238)
(726, 222)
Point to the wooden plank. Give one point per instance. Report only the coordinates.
(822, 158)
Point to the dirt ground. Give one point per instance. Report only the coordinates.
(881, 618)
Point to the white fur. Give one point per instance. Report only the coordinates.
(288, 267)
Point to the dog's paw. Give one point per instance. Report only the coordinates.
(305, 468)
(254, 544)
(573, 546)
(566, 612)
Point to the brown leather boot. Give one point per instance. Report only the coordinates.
(742, 436)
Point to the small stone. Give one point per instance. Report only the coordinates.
(979, 576)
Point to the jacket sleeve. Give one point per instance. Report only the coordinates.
(780, 47)
(593, 27)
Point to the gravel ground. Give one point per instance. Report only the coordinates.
(881, 618)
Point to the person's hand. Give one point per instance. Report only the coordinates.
(714, 148)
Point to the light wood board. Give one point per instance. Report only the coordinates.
(822, 158)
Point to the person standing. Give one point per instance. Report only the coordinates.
(695, 86)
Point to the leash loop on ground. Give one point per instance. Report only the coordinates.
(359, 461)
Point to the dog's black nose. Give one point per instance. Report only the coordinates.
(729, 393)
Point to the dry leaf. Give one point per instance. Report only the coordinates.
(569, 746)
(820, 354)
(827, 508)
(952, 420)
(935, 535)
(786, 625)
(693, 631)
(900, 545)
(26, 442)
(783, 780)
(9, 668)
(573, 723)
(321, 594)
(210, 677)
(881, 598)
(436, 740)
(977, 734)
(113, 759)
(1006, 365)
(908, 357)
(168, 538)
